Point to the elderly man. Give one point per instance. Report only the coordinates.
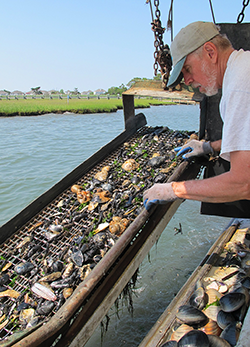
(207, 60)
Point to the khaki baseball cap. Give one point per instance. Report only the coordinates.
(188, 39)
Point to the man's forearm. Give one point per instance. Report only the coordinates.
(222, 188)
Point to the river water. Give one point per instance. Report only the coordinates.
(37, 151)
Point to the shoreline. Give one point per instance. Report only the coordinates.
(34, 111)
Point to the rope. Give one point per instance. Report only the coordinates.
(170, 20)
(212, 11)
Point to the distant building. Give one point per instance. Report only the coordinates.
(99, 92)
(16, 92)
(53, 91)
(3, 93)
(44, 92)
(87, 92)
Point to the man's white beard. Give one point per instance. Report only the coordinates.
(212, 88)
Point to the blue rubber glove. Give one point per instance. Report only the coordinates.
(159, 193)
(194, 148)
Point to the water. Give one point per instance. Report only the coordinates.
(36, 152)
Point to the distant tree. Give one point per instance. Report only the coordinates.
(61, 91)
(117, 90)
(36, 90)
(157, 77)
(54, 92)
(75, 91)
(7, 91)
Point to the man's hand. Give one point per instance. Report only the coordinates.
(194, 148)
(159, 193)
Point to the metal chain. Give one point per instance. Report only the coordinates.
(158, 31)
(162, 52)
(241, 14)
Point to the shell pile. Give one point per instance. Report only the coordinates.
(45, 261)
(215, 312)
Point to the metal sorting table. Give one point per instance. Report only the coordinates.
(75, 321)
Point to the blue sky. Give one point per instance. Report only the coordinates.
(89, 44)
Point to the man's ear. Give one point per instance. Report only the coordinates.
(211, 51)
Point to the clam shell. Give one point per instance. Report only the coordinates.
(115, 228)
(9, 293)
(217, 341)
(213, 295)
(51, 277)
(213, 285)
(85, 271)
(55, 228)
(246, 282)
(224, 318)
(232, 301)
(230, 334)
(4, 279)
(103, 174)
(101, 227)
(23, 268)
(239, 315)
(212, 312)
(223, 288)
(199, 298)
(222, 272)
(194, 338)
(180, 331)
(45, 308)
(191, 315)
(83, 196)
(43, 292)
(68, 270)
(156, 161)
(26, 315)
(211, 328)
(244, 291)
(77, 258)
(67, 292)
(241, 254)
(135, 179)
(170, 343)
(92, 205)
(75, 188)
(130, 165)
(101, 196)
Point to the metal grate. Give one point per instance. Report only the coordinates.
(66, 210)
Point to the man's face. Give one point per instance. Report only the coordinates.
(201, 74)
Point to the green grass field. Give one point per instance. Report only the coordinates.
(28, 107)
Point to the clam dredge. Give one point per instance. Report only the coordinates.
(66, 257)
(212, 308)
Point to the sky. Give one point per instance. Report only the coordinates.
(90, 44)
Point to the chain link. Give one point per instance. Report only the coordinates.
(241, 14)
(158, 31)
(162, 54)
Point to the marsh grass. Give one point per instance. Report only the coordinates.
(26, 107)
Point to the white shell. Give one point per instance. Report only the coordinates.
(43, 292)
